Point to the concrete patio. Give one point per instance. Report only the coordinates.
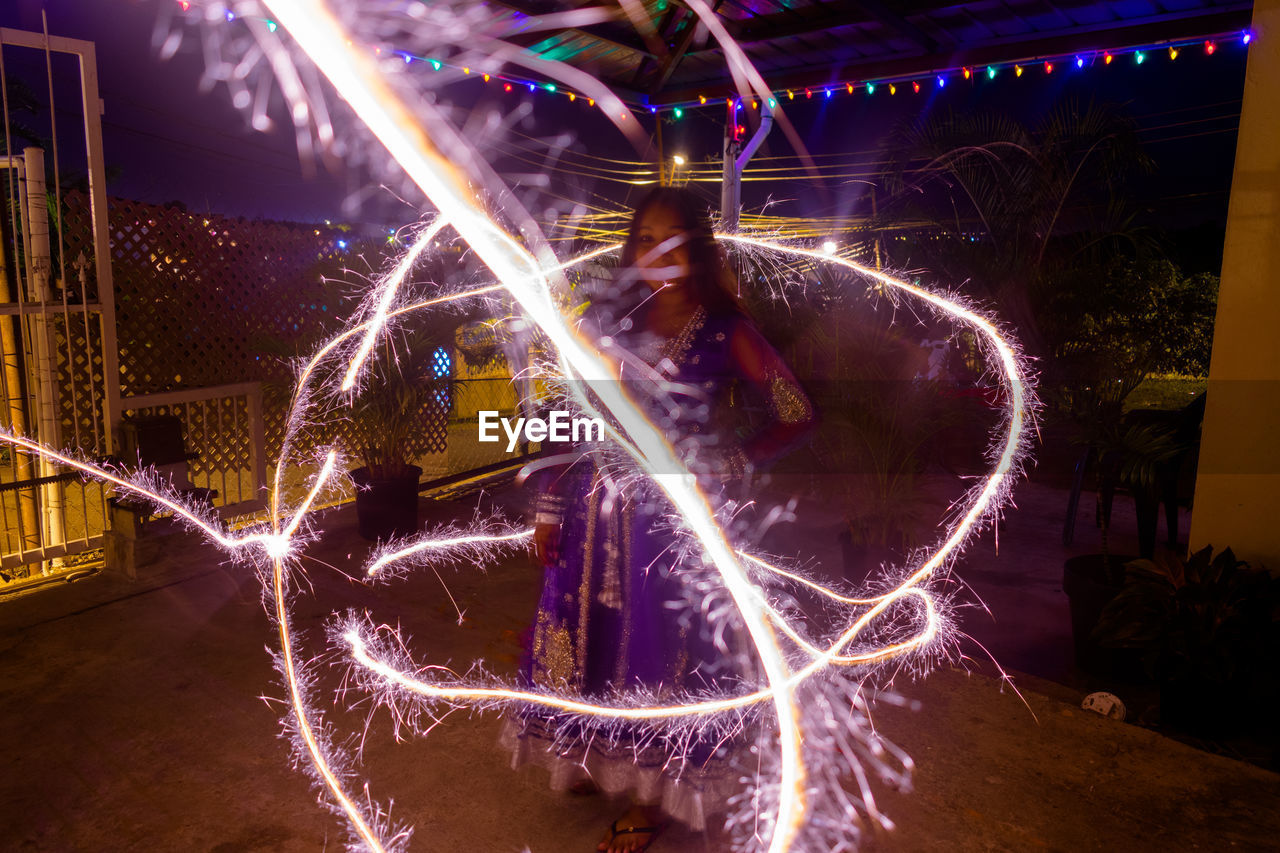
(136, 718)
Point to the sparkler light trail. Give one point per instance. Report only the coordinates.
(470, 543)
(358, 80)
(445, 544)
(1018, 409)
(156, 493)
(805, 800)
(387, 298)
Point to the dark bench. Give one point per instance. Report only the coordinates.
(154, 441)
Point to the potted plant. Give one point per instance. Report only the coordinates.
(1208, 631)
(405, 386)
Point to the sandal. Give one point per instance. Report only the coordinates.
(614, 832)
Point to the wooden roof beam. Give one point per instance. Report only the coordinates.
(776, 27)
(899, 24)
(609, 34)
(678, 52)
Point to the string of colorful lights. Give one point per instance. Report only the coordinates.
(939, 78)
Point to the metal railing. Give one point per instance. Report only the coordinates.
(57, 329)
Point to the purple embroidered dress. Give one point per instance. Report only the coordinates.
(617, 615)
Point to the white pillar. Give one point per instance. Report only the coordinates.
(1237, 500)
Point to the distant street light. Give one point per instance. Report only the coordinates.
(677, 162)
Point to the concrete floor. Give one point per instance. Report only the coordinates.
(135, 718)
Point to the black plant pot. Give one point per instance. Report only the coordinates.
(1090, 582)
(387, 508)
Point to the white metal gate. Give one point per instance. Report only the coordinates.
(59, 380)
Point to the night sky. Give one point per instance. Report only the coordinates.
(167, 141)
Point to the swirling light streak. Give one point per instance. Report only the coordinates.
(358, 80)
(1017, 411)
(275, 544)
(303, 382)
(298, 706)
(389, 289)
(277, 547)
(450, 546)
(452, 542)
(305, 374)
(358, 647)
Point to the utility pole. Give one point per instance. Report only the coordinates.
(735, 159)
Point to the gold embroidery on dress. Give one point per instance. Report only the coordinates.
(677, 348)
(787, 402)
(610, 594)
(624, 645)
(682, 658)
(588, 560)
(553, 664)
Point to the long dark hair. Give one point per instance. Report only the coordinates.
(710, 280)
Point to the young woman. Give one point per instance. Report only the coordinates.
(619, 612)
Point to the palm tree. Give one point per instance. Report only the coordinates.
(1009, 207)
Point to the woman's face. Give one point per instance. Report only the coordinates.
(662, 248)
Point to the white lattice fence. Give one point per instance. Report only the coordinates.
(78, 339)
(205, 300)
